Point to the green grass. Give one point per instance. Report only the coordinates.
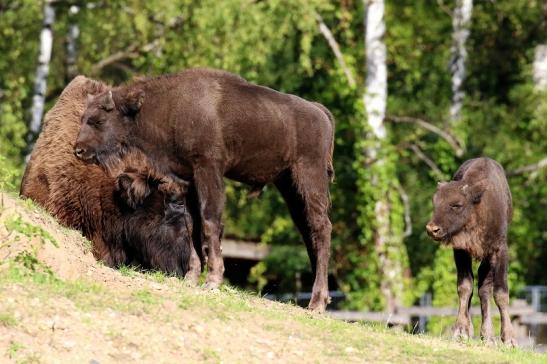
(13, 348)
(15, 223)
(7, 319)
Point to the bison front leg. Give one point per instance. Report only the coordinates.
(194, 267)
(210, 190)
(486, 275)
(464, 327)
(501, 296)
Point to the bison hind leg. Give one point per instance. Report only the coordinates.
(305, 190)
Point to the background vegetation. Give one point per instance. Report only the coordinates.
(278, 43)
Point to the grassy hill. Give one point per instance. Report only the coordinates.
(57, 305)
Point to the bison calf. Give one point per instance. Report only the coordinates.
(472, 213)
(155, 240)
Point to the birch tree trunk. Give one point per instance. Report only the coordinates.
(540, 67)
(71, 43)
(42, 71)
(461, 21)
(386, 244)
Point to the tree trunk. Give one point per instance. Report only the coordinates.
(387, 245)
(540, 67)
(71, 40)
(376, 82)
(460, 22)
(42, 71)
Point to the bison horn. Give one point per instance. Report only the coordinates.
(109, 102)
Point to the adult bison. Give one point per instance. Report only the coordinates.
(155, 235)
(206, 124)
(472, 214)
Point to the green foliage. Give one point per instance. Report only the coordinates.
(285, 264)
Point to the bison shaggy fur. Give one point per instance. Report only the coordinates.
(130, 215)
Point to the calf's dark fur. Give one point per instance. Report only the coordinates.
(472, 213)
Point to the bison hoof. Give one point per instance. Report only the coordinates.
(463, 332)
(318, 304)
(488, 339)
(191, 279)
(509, 340)
(212, 283)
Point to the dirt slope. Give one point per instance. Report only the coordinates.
(57, 305)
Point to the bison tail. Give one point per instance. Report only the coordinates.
(330, 165)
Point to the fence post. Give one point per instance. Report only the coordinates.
(425, 301)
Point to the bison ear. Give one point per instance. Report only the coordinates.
(441, 184)
(132, 102)
(132, 188)
(475, 191)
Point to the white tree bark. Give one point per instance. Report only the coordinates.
(376, 82)
(540, 67)
(375, 100)
(461, 21)
(71, 41)
(42, 71)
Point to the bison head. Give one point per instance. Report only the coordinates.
(106, 125)
(453, 206)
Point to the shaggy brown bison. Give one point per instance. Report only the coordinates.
(472, 214)
(206, 124)
(155, 235)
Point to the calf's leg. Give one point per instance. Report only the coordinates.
(464, 327)
(194, 264)
(501, 296)
(305, 191)
(486, 275)
(210, 191)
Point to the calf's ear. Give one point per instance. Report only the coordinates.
(132, 102)
(475, 191)
(133, 188)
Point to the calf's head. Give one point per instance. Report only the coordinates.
(106, 124)
(453, 206)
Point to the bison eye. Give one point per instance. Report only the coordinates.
(456, 206)
(95, 122)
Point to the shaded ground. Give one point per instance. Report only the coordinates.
(57, 305)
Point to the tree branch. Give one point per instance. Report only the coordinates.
(134, 50)
(436, 170)
(530, 168)
(406, 205)
(335, 49)
(432, 128)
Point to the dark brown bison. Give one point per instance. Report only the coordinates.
(472, 213)
(155, 235)
(206, 124)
